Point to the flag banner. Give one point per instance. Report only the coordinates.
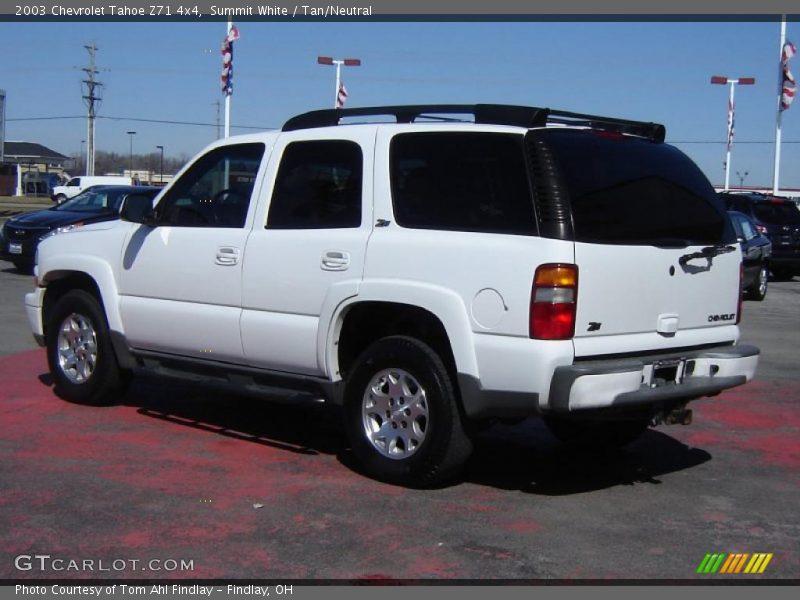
(788, 87)
(341, 97)
(730, 124)
(226, 78)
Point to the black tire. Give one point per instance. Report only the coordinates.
(779, 274)
(60, 198)
(90, 381)
(758, 289)
(23, 267)
(444, 446)
(595, 434)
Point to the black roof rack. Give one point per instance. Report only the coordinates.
(494, 114)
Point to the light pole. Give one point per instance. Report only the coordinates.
(347, 62)
(161, 168)
(131, 133)
(741, 178)
(81, 157)
(716, 79)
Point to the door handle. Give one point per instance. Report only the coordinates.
(335, 260)
(227, 256)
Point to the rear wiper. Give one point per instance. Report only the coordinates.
(707, 252)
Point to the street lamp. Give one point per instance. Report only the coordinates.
(82, 160)
(718, 80)
(161, 169)
(347, 62)
(741, 178)
(131, 133)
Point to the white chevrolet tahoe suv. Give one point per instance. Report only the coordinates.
(448, 267)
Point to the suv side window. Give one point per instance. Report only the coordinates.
(747, 230)
(461, 182)
(215, 191)
(318, 186)
(74, 182)
(737, 221)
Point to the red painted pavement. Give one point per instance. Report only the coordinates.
(173, 472)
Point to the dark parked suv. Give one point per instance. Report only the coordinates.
(777, 218)
(756, 254)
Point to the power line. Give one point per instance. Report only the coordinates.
(143, 120)
(265, 128)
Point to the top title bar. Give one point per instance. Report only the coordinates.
(377, 9)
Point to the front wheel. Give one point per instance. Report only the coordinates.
(402, 415)
(595, 434)
(79, 351)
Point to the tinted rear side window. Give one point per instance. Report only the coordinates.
(461, 182)
(632, 191)
(318, 186)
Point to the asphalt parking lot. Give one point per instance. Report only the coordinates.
(248, 489)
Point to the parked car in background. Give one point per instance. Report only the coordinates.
(756, 254)
(777, 218)
(21, 234)
(76, 185)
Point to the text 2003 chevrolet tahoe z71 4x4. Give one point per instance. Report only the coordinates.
(427, 274)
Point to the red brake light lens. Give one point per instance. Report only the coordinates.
(554, 298)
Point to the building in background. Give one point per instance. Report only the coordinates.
(31, 169)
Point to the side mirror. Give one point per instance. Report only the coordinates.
(138, 208)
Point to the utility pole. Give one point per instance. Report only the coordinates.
(92, 101)
(130, 169)
(218, 104)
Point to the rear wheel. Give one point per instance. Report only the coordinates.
(758, 289)
(79, 352)
(402, 415)
(60, 198)
(595, 434)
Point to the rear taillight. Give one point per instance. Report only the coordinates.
(741, 294)
(554, 298)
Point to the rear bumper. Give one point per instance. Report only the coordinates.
(631, 383)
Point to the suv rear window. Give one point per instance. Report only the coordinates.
(461, 181)
(777, 212)
(626, 190)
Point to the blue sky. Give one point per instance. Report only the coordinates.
(656, 71)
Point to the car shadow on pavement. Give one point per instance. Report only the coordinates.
(524, 457)
(528, 458)
(293, 422)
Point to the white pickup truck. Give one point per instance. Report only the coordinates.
(76, 185)
(456, 265)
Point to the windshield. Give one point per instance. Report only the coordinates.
(94, 201)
